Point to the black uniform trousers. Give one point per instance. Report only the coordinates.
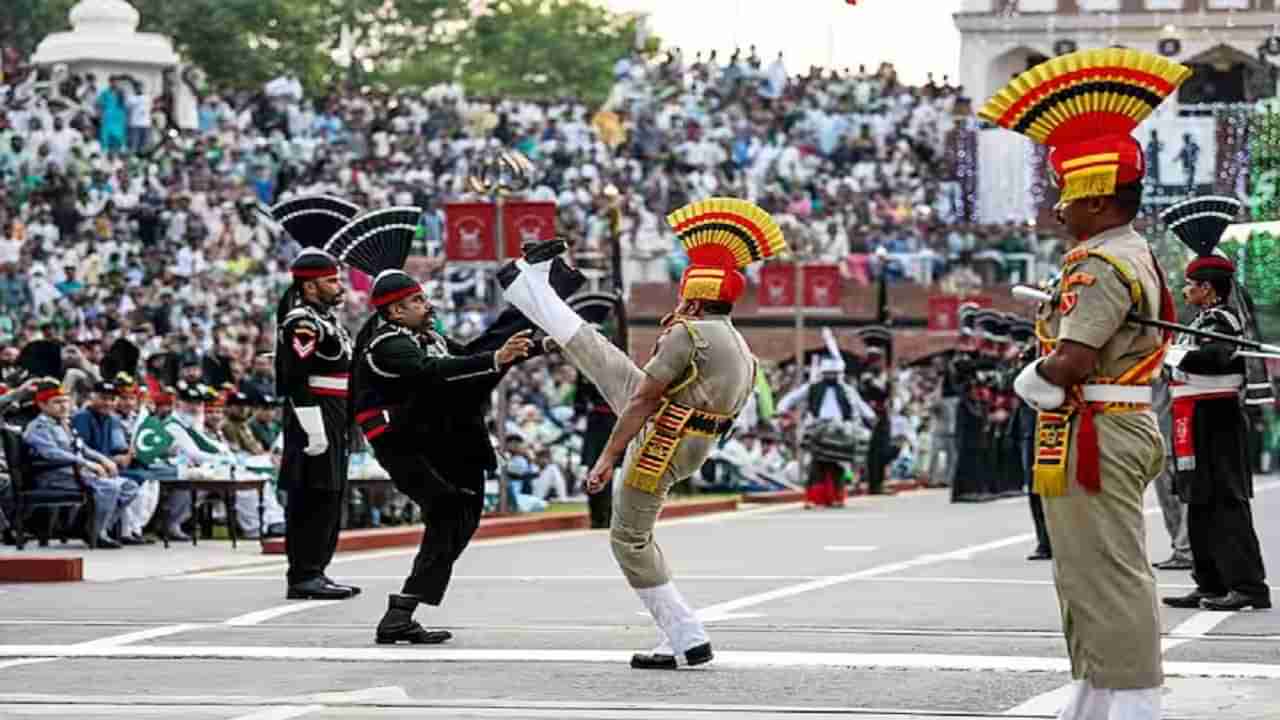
(451, 520)
(880, 453)
(1224, 547)
(313, 518)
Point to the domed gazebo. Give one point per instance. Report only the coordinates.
(104, 40)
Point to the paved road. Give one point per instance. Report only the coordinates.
(902, 607)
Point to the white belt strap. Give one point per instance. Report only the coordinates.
(327, 382)
(1140, 394)
(1234, 381)
(1186, 391)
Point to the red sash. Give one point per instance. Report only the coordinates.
(1184, 437)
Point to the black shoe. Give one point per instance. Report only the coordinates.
(354, 589)
(132, 540)
(1191, 599)
(1237, 601)
(655, 661)
(398, 625)
(177, 535)
(1173, 563)
(317, 589)
(1040, 554)
(538, 252)
(275, 530)
(106, 543)
(507, 274)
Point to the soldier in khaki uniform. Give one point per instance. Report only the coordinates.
(1098, 444)
(671, 411)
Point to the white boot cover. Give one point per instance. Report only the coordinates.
(674, 618)
(1090, 703)
(532, 295)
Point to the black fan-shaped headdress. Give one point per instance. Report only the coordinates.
(314, 219)
(1200, 222)
(376, 241)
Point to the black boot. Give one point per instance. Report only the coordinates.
(354, 589)
(317, 589)
(1191, 599)
(398, 624)
(654, 661)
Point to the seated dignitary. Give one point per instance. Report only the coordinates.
(60, 454)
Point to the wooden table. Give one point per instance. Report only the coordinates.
(224, 488)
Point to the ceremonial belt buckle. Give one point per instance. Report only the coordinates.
(374, 423)
(708, 424)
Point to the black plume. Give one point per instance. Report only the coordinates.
(1200, 222)
(377, 241)
(314, 219)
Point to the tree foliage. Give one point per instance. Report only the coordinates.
(527, 48)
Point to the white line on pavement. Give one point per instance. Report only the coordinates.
(261, 616)
(792, 590)
(500, 542)
(283, 712)
(139, 636)
(737, 659)
(1193, 628)
(851, 548)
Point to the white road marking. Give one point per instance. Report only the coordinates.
(851, 548)
(139, 636)
(734, 659)
(1193, 628)
(25, 661)
(793, 590)
(500, 542)
(282, 712)
(261, 616)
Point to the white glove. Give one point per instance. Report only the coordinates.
(1036, 391)
(312, 422)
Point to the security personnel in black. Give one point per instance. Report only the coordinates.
(1023, 335)
(313, 362)
(420, 400)
(588, 401)
(876, 389)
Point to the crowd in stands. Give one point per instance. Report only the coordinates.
(117, 223)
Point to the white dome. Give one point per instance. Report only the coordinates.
(104, 15)
(105, 31)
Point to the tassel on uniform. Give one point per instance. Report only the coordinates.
(1088, 473)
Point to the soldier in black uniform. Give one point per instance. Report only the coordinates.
(1023, 334)
(1214, 474)
(313, 361)
(876, 389)
(588, 401)
(420, 400)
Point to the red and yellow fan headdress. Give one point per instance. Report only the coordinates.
(722, 236)
(1085, 105)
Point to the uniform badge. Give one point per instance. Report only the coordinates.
(1068, 303)
(304, 342)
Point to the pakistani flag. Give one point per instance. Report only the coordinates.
(764, 395)
(152, 441)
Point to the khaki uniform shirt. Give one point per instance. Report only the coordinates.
(716, 356)
(1091, 310)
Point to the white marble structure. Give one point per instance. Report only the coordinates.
(104, 40)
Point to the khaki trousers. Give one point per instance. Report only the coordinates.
(634, 511)
(1106, 590)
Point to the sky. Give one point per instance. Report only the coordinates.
(917, 36)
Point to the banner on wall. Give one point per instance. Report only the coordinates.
(470, 229)
(822, 287)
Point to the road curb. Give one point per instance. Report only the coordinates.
(41, 569)
(781, 497)
(498, 527)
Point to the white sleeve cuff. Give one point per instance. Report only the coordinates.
(311, 419)
(1038, 392)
